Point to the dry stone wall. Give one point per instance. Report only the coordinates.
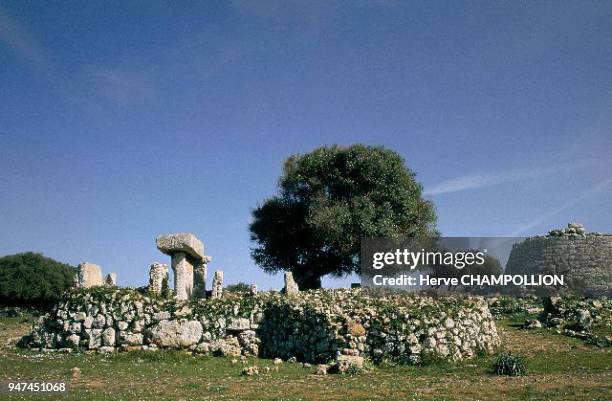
(585, 259)
(314, 326)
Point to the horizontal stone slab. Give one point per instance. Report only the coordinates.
(180, 242)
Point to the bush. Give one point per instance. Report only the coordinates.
(238, 288)
(510, 365)
(31, 279)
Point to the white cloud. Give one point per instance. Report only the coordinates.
(119, 87)
(482, 180)
(588, 193)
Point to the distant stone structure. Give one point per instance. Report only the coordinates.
(200, 273)
(89, 275)
(111, 279)
(158, 272)
(185, 250)
(217, 284)
(585, 259)
(291, 287)
(253, 289)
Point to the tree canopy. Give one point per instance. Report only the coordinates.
(31, 279)
(328, 200)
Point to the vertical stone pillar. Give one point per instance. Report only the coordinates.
(253, 289)
(157, 274)
(217, 284)
(200, 271)
(183, 275)
(291, 287)
(89, 275)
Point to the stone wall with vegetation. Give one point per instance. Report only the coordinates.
(313, 326)
(585, 259)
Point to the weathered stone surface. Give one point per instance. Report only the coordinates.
(238, 324)
(291, 287)
(89, 275)
(585, 259)
(200, 272)
(181, 242)
(129, 338)
(314, 325)
(345, 362)
(183, 276)
(176, 333)
(158, 272)
(111, 279)
(217, 285)
(108, 337)
(226, 347)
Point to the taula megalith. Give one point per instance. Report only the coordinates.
(185, 251)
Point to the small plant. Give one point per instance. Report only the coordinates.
(165, 289)
(510, 365)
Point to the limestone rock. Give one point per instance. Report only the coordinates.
(176, 333)
(108, 337)
(345, 362)
(217, 285)
(129, 338)
(321, 370)
(158, 272)
(89, 275)
(181, 242)
(238, 324)
(532, 324)
(250, 371)
(291, 287)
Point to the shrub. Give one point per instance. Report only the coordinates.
(31, 279)
(239, 288)
(510, 365)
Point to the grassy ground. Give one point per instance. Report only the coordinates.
(560, 368)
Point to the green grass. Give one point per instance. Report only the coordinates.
(560, 368)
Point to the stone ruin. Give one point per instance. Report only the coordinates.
(158, 273)
(291, 287)
(312, 326)
(187, 257)
(189, 265)
(90, 275)
(584, 258)
(217, 286)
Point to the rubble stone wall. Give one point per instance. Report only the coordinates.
(314, 326)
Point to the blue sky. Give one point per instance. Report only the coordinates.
(123, 120)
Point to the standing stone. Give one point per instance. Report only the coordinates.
(200, 271)
(157, 274)
(185, 250)
(111, 279)
(89, 275)
(253, 289)
(291, 287)
(183, 275)
(217, 284)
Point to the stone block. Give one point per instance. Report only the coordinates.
(181, 242)
(89, 275)
(291, 287)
